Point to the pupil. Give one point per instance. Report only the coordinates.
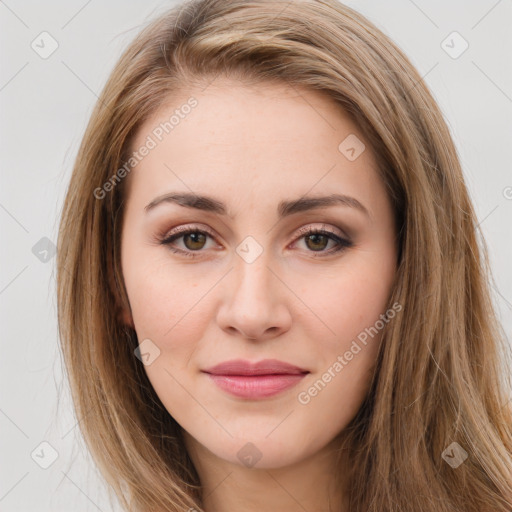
(194, 237)
(199, 238)
(314, 238)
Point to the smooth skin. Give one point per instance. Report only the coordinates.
(251, 147)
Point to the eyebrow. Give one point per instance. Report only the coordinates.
(284, 209)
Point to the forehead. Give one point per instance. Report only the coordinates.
(258, 137)
(233, 113)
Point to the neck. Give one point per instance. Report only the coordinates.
(313, 484)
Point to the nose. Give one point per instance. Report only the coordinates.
(255, 303)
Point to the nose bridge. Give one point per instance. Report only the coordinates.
(253, 279)
(253, 303)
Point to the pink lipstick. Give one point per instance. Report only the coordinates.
(255, 380)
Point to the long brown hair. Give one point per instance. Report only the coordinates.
(438, 384)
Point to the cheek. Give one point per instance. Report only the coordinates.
(169, 309)
(159, 295)
(351, 298)
(351, 306)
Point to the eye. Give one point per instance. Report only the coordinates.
(316, 241)
(193, 239)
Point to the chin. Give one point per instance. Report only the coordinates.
(260, 452)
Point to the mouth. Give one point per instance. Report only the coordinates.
(258, 380)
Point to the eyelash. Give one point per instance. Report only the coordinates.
(304, 232)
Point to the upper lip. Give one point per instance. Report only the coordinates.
(264, 367)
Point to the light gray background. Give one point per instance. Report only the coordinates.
(45, 105)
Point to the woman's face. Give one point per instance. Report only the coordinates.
(250, 282)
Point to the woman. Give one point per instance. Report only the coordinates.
(271, 293)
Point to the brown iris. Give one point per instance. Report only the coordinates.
(314, 238)
(197, 240)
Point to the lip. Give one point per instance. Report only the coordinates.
(255, 380)
(264, 367)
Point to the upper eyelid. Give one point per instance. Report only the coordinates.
(303, 231)
(308, 227)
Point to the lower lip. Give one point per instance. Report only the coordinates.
(256, 386)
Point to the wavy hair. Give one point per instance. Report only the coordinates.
(438, 378)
